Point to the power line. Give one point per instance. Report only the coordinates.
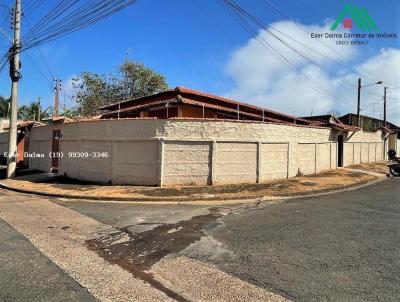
(41, 54)
(282, 13)
(240, 14)
(69, 16)
(66, 17)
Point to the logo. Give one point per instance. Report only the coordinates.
(358, 15)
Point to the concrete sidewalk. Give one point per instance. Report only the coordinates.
(324, 182)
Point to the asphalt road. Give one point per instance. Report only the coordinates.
(27, 275)
(340, 247)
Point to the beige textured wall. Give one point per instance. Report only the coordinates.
(274, 161)
(324, 157)
(392, 141)
(348, 153)
(186, 163)
(132, 157)
(356, 154)
(136, 162)
(40, 142)
(363, 147)
(236, 163)
(199, 152)
(364, 153)
(307, 162)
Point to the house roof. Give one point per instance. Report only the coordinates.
(58, 119)
(389, 130)
(21, 124)
(201, 99)
(333, 122)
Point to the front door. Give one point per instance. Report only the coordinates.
(55, 150)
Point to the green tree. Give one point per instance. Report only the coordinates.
(70, 112)
(132, 80)
(92, 91)
(139, 80)
(31, 112)
(4, 106)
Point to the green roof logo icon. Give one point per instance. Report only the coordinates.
(355, 14)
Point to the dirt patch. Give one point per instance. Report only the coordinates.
(327, 180)
(60, 179)
(309, 184)
(380, 167)
(137, 253)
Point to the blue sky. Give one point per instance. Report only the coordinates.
(190, 42)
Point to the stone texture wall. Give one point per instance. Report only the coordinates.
(199, 152)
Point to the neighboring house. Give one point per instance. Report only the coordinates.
(391, 132)
(188, 103)
(330, 120)
(372, 124)
(23, 140)
(187, 137)
(54, 120)
(367, 123)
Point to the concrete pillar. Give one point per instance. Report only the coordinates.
(369, 151)
(360, 153)
(213, 162)
(160, 162)
(293, 167)
(316, 160)
(288, 160)
(259, 163)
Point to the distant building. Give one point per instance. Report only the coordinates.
(367, 123)
(23, 140)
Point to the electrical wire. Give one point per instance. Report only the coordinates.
(316, 86)
(285, 15)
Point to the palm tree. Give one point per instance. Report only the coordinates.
(32, 112)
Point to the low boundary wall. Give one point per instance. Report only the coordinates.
(196, 152)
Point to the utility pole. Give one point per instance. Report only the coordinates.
(64, 102)
(39, 109)
(57, 97)
(15, 76)
(384, 107)
(359, 103)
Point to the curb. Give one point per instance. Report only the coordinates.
(200, 198)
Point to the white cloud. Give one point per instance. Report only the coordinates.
(385, 67)
(262, 78)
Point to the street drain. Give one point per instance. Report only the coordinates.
(141, 251)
